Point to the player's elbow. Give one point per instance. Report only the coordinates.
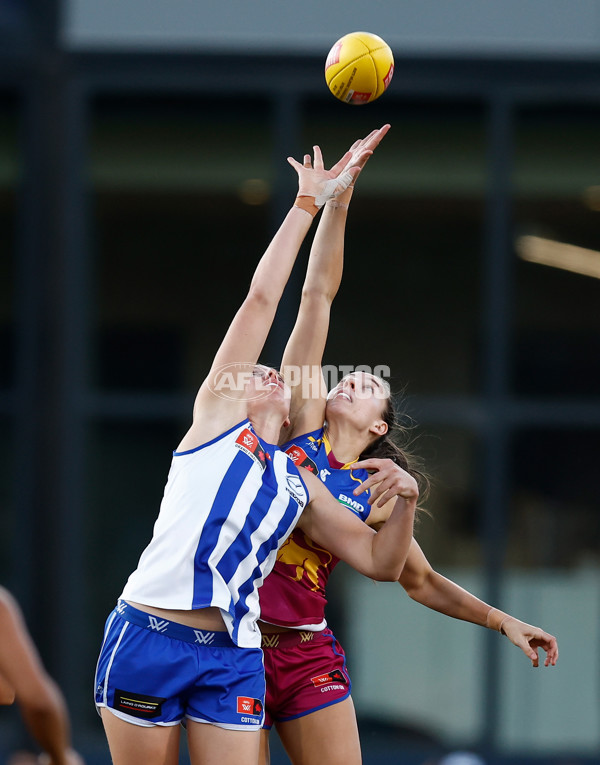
(415, 584)
(316, 296)
(386, 572)
(260, 298)
(41, 697)
(7, 696)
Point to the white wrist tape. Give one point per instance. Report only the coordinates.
(333, 187)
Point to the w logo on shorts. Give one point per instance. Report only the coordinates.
(248, 706)
(160, 625)
(204, 638)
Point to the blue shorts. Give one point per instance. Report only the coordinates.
(156, 672)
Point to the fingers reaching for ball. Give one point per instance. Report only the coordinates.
(315, 181)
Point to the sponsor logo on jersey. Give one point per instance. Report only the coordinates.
(295, 489)
(301, 459)
(250, 445)
(329, 677)
(351, 503)
(323, 474)
(248, 706)
(138, 704)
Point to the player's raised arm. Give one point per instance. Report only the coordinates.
(245, 338)
(302, 358)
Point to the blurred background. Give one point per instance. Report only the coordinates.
(142, 174)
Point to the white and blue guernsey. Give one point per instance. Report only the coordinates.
(227, 508)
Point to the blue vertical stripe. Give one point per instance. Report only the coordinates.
(259, 508)
(221, 506)
(241, 607)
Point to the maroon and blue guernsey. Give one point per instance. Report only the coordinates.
(293, 594)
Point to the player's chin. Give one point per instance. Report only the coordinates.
(280, 393)
(338, 402)
(280, 398)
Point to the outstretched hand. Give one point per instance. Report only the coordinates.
(387, 480)
(362, 149)
(529, 639)
(315, 181)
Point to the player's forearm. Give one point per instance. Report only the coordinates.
(47, 721)
(7, 692)
(447, 597)
(274, 269)
(326, 261)
(392, 542)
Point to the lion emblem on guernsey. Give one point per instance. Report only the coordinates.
(307, 561)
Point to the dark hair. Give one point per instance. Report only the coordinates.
(388, 447)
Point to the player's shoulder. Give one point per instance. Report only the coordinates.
(7, 601)
(313, 484)
(9, 608)
(304, 450)
(311, 439)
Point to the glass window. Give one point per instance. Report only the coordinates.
(449, 528)
(9, 169)
(180, 221)
(552, 580)
(410, 297)
(6, 499)
(557, 239)
(554, 514)
(14, 14)
(127, 468)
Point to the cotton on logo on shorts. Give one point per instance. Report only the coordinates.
(248, 706)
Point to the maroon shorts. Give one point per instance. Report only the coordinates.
(305, 671)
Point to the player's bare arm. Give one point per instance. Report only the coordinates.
(426, 586)
(304, 351)
(378, 555)
(245, 338)
(40, 701)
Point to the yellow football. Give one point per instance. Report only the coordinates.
(359, 68)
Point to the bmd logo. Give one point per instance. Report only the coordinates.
(352, 504)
